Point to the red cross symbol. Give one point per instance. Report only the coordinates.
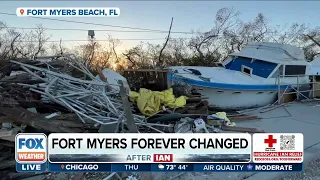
(270, 141)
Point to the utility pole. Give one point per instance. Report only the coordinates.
(91, 38)
(160, 61)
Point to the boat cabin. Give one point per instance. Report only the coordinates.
(264, 69)
(268, 60)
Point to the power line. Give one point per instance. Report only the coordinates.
(97, 24)
(108, 30)
(62, 29)
(66, 29)
(76, 40)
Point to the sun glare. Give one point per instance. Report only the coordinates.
(115, 66)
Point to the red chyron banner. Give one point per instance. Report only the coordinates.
(163, 158)
(278, 148)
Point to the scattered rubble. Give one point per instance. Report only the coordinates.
(62, 95)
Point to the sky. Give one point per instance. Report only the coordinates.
(188, 15)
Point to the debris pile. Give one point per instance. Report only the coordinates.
(60, 94)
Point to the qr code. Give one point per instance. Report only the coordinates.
(287, 142)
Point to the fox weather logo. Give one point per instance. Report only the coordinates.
(31, 152)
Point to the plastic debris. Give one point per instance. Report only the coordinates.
(184, 125)
(200, 126)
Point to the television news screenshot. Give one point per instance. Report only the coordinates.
(159, 90)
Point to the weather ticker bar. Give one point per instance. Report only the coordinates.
(166, 167)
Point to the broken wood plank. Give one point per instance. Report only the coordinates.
(193, 95)
(7, 143)
(73, 124)
(7, 164)
(6, 153)
(39, 105)
(272, 108)
(196, 99)
(4, 119)
(4, 157)
(244, 118)
(65, 117)
(70, 124)
(20, 175)
(202, 103)
(8, 135)
(4, 133)
(11, 138)
(192, 106)
(34, 120)
(212, 107)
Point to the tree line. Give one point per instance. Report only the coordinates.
(228, 34)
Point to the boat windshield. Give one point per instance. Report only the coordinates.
(259, 68)
(290, 70)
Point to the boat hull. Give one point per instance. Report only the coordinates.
(237, 100)
(231, 99)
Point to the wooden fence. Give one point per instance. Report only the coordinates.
(153, 79)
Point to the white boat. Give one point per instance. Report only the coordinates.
(314, 70)
(248, 78)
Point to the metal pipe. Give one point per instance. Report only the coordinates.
(86, 115)
(150, 124)
(298, 87)
(313, 86)
(152, 128)
(32, 73)
(279, 91)
(59, 75)
(71, 94)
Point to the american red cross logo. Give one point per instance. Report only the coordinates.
(270, 141)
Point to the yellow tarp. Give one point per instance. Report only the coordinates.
(223, 115)
(151, 102)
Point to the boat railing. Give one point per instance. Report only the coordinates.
(299, 88)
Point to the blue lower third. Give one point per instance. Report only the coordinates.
(175, 167)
